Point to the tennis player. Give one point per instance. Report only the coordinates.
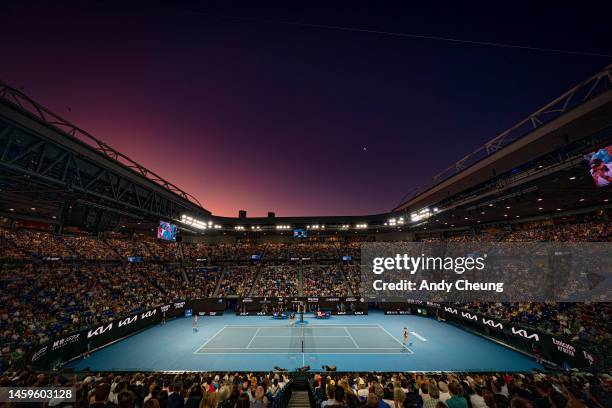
(195, 322)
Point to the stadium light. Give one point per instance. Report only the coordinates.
(361, 226)
(283, 227)
(239, 227)
(315, 226)
(420, 215)
(194, 222)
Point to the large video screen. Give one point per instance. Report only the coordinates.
(166, 231)
(600, 166)
(300, 233)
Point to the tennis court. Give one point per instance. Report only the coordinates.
(259, 343)
(323, 339)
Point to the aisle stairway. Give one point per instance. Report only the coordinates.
(299, 399)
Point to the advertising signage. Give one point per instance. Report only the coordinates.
(64, 348)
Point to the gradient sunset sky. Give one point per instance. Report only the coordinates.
(246, 113)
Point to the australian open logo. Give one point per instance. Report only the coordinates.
(57, 344)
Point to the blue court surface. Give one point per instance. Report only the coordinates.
(351, 343)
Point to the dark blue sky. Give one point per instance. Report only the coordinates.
(249, 114)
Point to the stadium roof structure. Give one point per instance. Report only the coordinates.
(545, 130)
(49, 162)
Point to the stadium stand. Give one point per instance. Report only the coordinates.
(42, 299)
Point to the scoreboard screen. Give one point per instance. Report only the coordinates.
(300, 233)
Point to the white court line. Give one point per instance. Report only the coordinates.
(418, 336)
(299, 349)
(208, 341)
(318, 326)
(378, 326)
(314, 337)
(299, 352)
(399, 342)
(352, 339)
(253, 338)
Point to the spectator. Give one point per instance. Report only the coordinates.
(456, 400)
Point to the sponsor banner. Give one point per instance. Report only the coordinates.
(552, 348)
(339, 313)
(210, 313)
(267, 306)
(70, 346)
(208, 306)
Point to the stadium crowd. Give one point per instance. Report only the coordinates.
(237, 281)
(278, 281)
(157, 390)
(89, 280)
(457, 390)
(325, 280)
(351, 390)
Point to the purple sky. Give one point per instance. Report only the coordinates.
(271, 117)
